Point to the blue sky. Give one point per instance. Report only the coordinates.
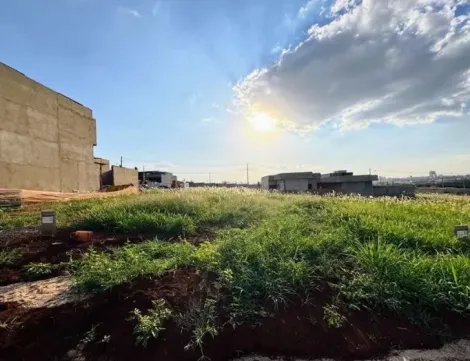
(160, 76)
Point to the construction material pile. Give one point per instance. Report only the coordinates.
(16, 197)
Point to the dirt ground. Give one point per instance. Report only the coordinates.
(63, 247)
(59, 327)
(455, 351)
(45, 320)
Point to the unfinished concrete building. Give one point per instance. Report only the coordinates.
(157, 178)
(46, 139)
(340, 182)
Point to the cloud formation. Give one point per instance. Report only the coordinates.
(394, 61)
(128, 11)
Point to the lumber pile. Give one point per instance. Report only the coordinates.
(17, 197)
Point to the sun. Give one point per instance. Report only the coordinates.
(262, 123)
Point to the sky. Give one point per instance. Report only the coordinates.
(202, 88)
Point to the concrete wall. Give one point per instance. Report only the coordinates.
(46, 139)
(123, 176)
(102, 165)
(167, 178)
(362, 188)
(394, 191)
(300, 185)
(267, 182)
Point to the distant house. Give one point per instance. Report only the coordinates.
(157, 178)
(340, 182)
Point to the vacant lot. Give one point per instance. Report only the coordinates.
(176, 275)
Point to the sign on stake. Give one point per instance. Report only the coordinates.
(461, 232)
(48, 223)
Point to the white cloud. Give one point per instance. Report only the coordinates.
(128, 11)
(395, 61)
(277, 49)
(309, 7)
(304, 10)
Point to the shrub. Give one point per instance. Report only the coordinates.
(36, 271)
(149, 325)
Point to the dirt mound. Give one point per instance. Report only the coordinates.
(32, 247)
(60, 248)
(99, 328)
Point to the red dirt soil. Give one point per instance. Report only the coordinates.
(62, 247)
(298, 330)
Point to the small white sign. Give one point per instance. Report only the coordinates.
(462, 233)
(47, 220)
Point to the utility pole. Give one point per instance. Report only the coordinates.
(121, 161)
(247, 175)
(370, 171)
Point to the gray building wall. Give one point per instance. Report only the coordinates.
(340, 182)
(167, 178)
(394, 191)
(265, 182)
(46, 139)
(124, 176)
(292, 185)
(362, 188)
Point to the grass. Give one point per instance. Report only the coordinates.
(9, 257)
(392, 255)
(167, 213)
(97, 271)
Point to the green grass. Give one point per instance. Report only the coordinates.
(97, 271)
(9, 257)
(376, 254)
(167, 213)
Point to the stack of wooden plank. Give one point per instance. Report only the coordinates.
(16, 197)
(10, 198)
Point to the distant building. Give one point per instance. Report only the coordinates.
(157, 178)
(339, 182)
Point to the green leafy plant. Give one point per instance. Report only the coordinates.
(200, 320)
(332, 316)
(9, 257)
(35, 271)
(150, 324)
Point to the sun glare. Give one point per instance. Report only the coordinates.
(262, 122)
